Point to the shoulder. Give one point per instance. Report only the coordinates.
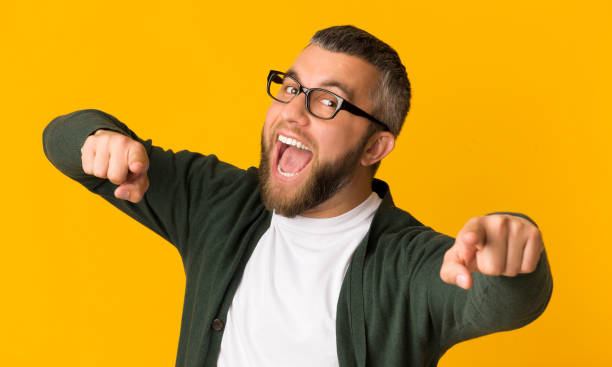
(398, 237)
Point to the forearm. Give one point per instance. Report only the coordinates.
(494, 303)
(502, 303)
(517, 300)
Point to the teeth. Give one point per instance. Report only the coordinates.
(284, 173)
(292, 142)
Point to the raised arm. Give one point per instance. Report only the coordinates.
(493, 277)
(166, 190)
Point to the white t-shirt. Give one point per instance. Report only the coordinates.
(284, 310)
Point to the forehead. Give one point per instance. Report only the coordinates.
(317, 67)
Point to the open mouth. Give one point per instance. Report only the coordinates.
(292, 156)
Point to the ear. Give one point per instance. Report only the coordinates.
(378, 147)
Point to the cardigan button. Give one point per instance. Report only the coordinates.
(217, 325)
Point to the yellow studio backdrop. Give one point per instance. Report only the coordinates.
(510, 112)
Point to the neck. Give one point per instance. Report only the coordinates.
(350, 196)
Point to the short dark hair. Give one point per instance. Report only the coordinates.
(391, 98)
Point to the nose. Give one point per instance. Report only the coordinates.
(295, 110)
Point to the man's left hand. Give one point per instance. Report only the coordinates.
(499, 244)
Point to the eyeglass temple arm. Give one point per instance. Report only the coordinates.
(359, 112)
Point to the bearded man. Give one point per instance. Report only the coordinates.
(306, 261)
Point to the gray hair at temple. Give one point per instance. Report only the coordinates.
(391, 99)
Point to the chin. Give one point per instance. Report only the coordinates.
(285, 198)
(309, 187)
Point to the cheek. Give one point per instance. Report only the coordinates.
(270, 118)
(343, 135)
(334, 144)
(272, 113)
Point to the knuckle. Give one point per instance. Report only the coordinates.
(138, 148)
(489, 267)
(121, 140)
(102, 139)
(499, 222)
(528, 269)
(117, 143)
(101, 132)
(474, 221)
(99, 171)
(529, 266)
(535, 234)
(511, 272)
(85, 164)
(503, 221)
(517, 224)
(134, 143)
(88, 142)
(493, 270)
(115, 178)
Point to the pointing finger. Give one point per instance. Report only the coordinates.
(473, 233)
(460, 259)
(454, 271)
(134, 188)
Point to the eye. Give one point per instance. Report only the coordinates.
(328, 102)
(291, 89)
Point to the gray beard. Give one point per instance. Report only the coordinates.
(325, 180)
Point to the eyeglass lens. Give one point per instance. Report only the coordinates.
(320, 103)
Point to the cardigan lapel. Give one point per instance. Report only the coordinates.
(357, 313)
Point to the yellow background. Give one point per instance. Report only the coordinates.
(511, 111)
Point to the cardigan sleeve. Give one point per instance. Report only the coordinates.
(494, 303)
(181, 184)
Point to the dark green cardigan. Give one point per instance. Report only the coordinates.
(393, 308)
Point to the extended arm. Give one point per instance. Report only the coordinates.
(495, 276)
(181, 184)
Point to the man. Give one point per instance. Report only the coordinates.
(306, 261)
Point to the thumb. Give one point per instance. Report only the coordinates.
(138, 161)
(134, 188)
(454, 271)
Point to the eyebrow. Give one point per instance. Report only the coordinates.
(327, 83)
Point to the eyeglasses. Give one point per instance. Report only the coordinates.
(320, 102)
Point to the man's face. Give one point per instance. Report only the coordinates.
(306, 160)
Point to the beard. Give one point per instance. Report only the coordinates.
(325, 180)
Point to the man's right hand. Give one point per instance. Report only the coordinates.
(123, 161)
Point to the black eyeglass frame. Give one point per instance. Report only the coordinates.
(343, 104)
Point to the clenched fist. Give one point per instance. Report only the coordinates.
(123, 161)
(499, 244)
